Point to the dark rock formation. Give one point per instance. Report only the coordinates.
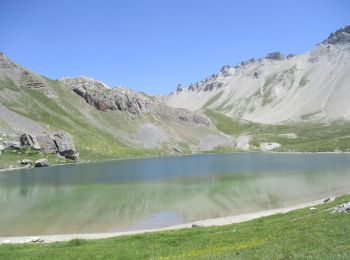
(340, 36)
(105, 99)
(29, 140)
(275, 56)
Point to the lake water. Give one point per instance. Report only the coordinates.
(158, 192)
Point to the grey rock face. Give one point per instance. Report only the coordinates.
(12, 145)
(275, 56)
(105, 99)
(98, 95)
(41, 163)
(29, 140)
(47, 143)
(340, 36)
(65, 146)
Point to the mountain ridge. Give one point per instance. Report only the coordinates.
(270, 90)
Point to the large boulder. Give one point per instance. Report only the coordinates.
(65, 145)
(41, 163)
(29, 140)
(47, 143)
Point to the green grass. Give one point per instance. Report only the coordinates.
(224, 123)
(300, 234)
(93, 140)
(12, 158)
(311, 136)
(213, 99)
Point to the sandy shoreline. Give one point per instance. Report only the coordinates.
(202, 223)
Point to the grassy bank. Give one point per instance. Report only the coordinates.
(309, 136)
(305, 233)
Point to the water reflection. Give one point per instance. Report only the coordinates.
(147, 193)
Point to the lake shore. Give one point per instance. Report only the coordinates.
(14, 169)
(201, 223)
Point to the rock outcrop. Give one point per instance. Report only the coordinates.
(30, 141)
(274, 90)
(121, 99)
(65, 146)
(57, 142)
(340, 36)
(47, 143)
(275, 56)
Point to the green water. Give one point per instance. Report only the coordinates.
(159, 192)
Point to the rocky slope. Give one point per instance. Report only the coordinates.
(314, 86)
(82, 115)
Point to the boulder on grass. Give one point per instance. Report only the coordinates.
(12, 145)
(65, 145)
(27, 162)
(41, 163)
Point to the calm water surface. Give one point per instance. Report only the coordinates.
(159, 192)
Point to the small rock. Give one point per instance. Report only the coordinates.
(27, 162)
(41, 163)
(345, 207)
(313, 208)
(12, 145)
(326, 200)
(195, 226)
(35, 240)
(269, 146)
(2, 147)
(175, 149)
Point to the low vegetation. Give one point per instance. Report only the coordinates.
(304, 234)
(309, 136)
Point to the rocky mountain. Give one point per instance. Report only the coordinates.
(280, 103)
(83, 116)
(310, 87)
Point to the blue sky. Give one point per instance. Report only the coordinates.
(153, 45)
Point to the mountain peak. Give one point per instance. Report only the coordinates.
(340, 36)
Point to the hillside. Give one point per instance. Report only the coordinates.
(310, 87)
(294, 103)
(103, 122)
